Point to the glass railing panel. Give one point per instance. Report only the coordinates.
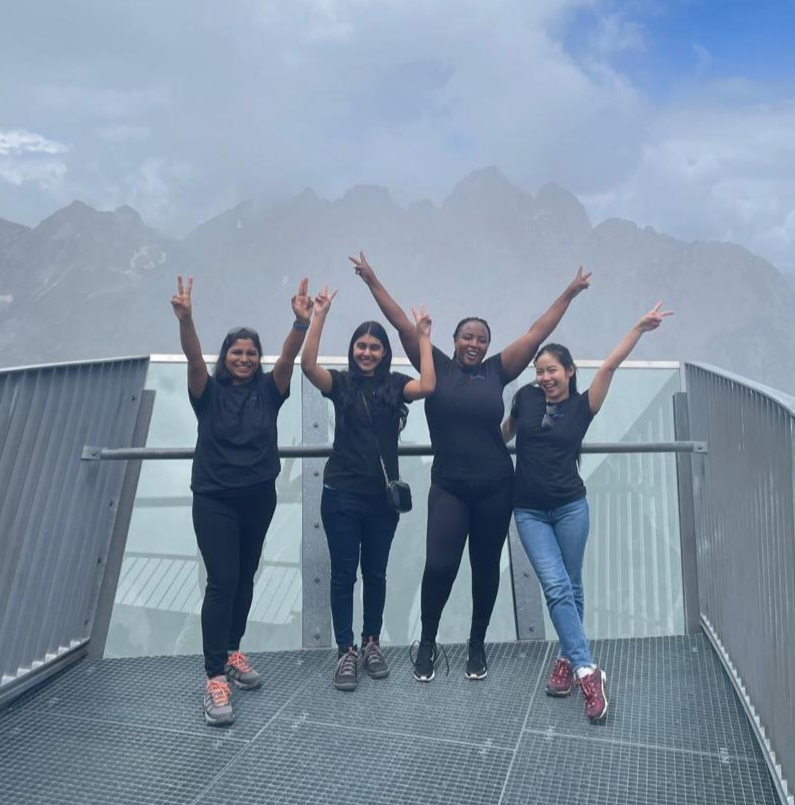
(632, 575)
(158, 598)
(407, 557)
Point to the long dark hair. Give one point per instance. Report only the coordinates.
(383, 392)
(564, 359)
(221, 373)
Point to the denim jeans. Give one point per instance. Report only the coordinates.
(357, 525)
(555, 543)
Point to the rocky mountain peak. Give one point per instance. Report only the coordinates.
(484, 189)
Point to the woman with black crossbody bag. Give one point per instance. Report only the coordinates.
(362, 494)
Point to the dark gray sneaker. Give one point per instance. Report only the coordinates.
(346, 676)
(374, 662)
(240, 673)
(218, 702)
(477, 667)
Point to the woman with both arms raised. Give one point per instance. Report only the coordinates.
(233, 481)
(550, 421)
(369, 411)
(471, 476)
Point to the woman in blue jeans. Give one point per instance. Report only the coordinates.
(550, 420)
(369, 412)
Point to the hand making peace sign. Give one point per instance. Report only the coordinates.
(654, 318)
(422, 321)
(302, 302)
(579, 283)
(323, 301)
(181, 302)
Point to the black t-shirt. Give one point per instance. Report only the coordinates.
(546, 458)
(354, 464)
(464, 416)
(237, 446)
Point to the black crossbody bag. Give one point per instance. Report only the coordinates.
(398, 493)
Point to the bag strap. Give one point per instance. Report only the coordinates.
(377, 447)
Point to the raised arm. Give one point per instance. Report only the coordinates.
(395, 314)
(425, 385)
(302, 308)
(600, 385)
(516, 357)
(319, 377)
(183, 310)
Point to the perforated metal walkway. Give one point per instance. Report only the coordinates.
(132, 731)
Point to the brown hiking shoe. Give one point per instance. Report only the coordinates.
(561, 680)
(593, 690)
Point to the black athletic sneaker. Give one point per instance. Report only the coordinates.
(423, 663)
(477, 668)
(346, 676)
(374, 662)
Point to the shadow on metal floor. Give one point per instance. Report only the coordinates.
(132, 731)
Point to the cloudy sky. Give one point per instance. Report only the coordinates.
(674, 113)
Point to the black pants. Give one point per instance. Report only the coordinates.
(477, 509)
(230, 532)
(357, 525)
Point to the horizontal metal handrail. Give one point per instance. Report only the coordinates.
(324, 451)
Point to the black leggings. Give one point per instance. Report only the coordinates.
(482, 511)
(230, 532)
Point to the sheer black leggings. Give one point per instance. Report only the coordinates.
(480, 510)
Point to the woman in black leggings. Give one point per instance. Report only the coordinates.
(233, 482)
(471, 475)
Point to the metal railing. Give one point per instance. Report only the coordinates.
(57, 514)
(745, 535)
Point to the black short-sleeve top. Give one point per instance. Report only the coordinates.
(464, 416)
(354, 464)
(547, 475)
(237, 443)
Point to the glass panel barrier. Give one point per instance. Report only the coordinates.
(632, 579)
(161, 584)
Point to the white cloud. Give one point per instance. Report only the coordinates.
(715, 174)
(28, 142)
(47, 174)
(616, 34)
(266, 97)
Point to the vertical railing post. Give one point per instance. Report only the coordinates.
(121, 527)
(527, 604)
(315, 619)
(687, 523)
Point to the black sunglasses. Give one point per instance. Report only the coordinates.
(550, 416)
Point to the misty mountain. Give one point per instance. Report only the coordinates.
(85, 283)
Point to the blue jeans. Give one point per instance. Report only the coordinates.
(555, 543)
(357, 525)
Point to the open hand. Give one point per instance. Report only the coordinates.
(422, 321)
(323, 301)
(181, 302)
(579, 283)
(363, 268)
(302, 302)
(653, 319)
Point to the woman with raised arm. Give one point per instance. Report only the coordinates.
(471, 476)
(233, 482)
(369, 412)
(550, 420)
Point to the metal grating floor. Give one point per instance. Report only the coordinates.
(132, 731)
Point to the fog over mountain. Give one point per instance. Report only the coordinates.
(86, 284)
